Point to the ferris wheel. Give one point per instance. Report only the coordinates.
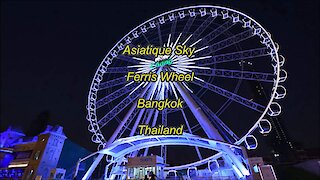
(234, 54)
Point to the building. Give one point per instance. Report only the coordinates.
(23, 157)
(29, 157)
(278, 143)
(138, 167)
(260, 170)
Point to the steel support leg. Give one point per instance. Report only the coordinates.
(125, 119)
(211, 131)
(93, 167)
(203, 120)
(154, 121)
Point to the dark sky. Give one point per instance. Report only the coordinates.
(50, 52)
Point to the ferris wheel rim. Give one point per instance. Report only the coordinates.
(276, 83)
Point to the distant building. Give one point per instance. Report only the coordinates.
(261, 171)
(281, 147)
(139, 167)
(24, 157)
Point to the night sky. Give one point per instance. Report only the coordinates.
(50, 52)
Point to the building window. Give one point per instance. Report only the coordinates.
(55, 142)
(51, 154)
(30, 174)
(256, 168)
(37, 155)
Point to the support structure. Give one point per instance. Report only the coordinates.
(122, 147)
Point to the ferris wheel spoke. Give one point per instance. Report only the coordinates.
(235, 56)
(133, 45)
(241, 100)
(127, 59)
(116, 94)
(236, 74)
(137, 121)
(197, 112)
(164, 116)
(154, 121)
(216, 32)
(186, 121)
(226, 42)
(147, 118)
(173, 27)
(135, 126)
(155, 118)
(187, 27)
(218, 123)
(120, 69)
(159, 34)
(223, 107)
(150, 88)
(195, 127)
(190, 131)
(112, 83)
(119, 107)
(145, 37)
(196, 34)
(227, 103)
(164, 112)
(127, 123)
(130, 115)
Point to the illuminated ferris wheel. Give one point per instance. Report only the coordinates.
(221, 113)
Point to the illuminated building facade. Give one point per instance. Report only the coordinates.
(282, 149)
(138, 167)
(30, 157)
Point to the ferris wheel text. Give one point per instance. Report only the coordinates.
(156, 51)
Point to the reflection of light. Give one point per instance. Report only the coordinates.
(237, 171)
(255, 169)
(272, 171)
(290, 144)
(6, 151)
(18, 165)
(276, 155)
